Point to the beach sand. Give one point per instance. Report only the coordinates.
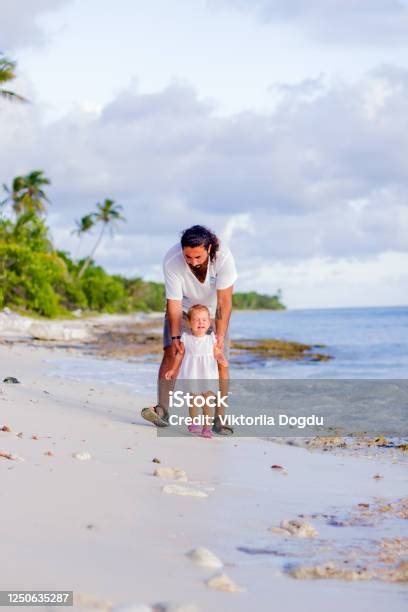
(101, 525)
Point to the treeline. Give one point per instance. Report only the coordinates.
(252, 300)
(36, 278)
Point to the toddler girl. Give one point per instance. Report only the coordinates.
(198, 357)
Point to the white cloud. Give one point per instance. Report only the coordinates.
(236, 224)
(313, 282)
(19, 22)
(357, 21)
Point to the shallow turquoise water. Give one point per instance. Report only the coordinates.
(365, 342)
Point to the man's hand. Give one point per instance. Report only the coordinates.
(219, 354)
(221, 359)
(176, 348)
(169, 375)
(220, 342)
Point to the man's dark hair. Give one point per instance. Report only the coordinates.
(198, 235)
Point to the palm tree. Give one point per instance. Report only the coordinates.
(84, 225)
(107, 214)
(7, 73)
(27, 193)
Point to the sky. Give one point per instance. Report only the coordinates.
(280, 124)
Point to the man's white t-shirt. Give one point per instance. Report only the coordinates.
(182, 284)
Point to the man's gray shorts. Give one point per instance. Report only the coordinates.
(185, 328)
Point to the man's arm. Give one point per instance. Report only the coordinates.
(223, 313)
(175, 314)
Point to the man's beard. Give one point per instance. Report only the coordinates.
(199, 266)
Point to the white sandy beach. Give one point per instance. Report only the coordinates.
(104, 528)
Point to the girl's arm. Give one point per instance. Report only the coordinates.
(178, 358)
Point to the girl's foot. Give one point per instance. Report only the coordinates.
(206, 432)
(194, 429)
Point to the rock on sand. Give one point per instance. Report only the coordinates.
(295, 527)
(57, 331)
(204, 557)
(170, 473)
(222, 582)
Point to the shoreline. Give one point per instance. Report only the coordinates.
(139, 335)
(104, 527)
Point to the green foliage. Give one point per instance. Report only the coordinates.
(28, 278)
(33, 276)
(145, 295)
(102, 291)
(257, 301)
(37, 279)
(27, 194)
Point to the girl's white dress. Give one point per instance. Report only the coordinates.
(199, 363)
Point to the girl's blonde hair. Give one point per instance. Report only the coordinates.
(196, 308)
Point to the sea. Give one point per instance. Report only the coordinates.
(364, 343)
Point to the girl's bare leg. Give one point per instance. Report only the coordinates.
(207, 411)
(193, 410)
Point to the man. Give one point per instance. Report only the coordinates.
(198, 270)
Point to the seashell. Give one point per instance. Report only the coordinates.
(222, 582)
(204, 557)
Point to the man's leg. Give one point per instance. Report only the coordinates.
(223, 372)
(158, 414)
(164, 386)
(218, 427)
